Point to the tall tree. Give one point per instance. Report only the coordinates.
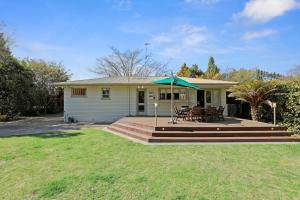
(16, 83)
(243, 75)
(212, 71)
(254, 92)
(45, 74)
(4, 45)
(194, 71)
(183, 70)
(265, 75)
(239, 75)
(129, 63)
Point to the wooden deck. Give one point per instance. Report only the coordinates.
(229, 130)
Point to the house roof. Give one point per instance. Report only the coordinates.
(139, 80)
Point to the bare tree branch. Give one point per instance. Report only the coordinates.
(129, 63)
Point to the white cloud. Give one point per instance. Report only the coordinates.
(190, 29)
(258, 34)
(261, 11)
(194, 39)
(184, 37)
(162, 39)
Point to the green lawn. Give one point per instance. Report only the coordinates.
(90, 163)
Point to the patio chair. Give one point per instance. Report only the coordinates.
(179, 114)
(202, 114)
(196, 113)
(220, 113)
(211, 113)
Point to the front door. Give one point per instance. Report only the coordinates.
(200, 98)
(141, 109)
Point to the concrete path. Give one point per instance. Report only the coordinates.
(42, 124)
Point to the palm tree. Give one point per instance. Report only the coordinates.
(254, 92)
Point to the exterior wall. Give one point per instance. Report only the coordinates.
(93, 108)
(164, 106)
(223, 101)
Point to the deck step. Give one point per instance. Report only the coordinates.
(220, 133)
(194, 134)
(136, 124)
(222, 139)
(133, 128)
(219, 128)
(131, 134)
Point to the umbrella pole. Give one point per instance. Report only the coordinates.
(172, 117)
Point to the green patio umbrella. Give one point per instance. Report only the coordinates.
(174, 80)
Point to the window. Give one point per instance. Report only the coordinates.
(178, 94)
(208, 96)
(78, 92)
(105, 93)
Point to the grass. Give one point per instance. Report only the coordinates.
(93, 164)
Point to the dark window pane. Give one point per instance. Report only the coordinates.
(168, 96)
(208, 96)
(176, 96)
(141, 98)
(141, 108)
(105, 92)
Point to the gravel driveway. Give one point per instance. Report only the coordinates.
(42, 124)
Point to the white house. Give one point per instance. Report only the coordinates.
(109, 99)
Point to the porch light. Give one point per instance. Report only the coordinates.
(155, 112)
(274, 105)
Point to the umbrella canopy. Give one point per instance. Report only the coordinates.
(175, 81)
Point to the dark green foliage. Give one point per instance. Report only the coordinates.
(45, 74)
(291, 99)
(4, 47)
(254, 92)
(26, 87)
(16, 85)
(194, 71)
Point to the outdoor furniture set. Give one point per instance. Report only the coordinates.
(198, 113)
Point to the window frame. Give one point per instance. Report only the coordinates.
(105, 89)
(78, 95)
(167, 96)
(208, 97)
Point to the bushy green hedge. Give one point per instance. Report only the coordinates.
(291, 98)
(287, 97)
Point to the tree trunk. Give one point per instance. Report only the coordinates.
(254, 111)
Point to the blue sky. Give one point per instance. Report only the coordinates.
(238, 33)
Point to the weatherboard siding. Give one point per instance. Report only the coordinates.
(93, 108)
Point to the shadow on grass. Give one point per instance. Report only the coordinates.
(57, 134)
